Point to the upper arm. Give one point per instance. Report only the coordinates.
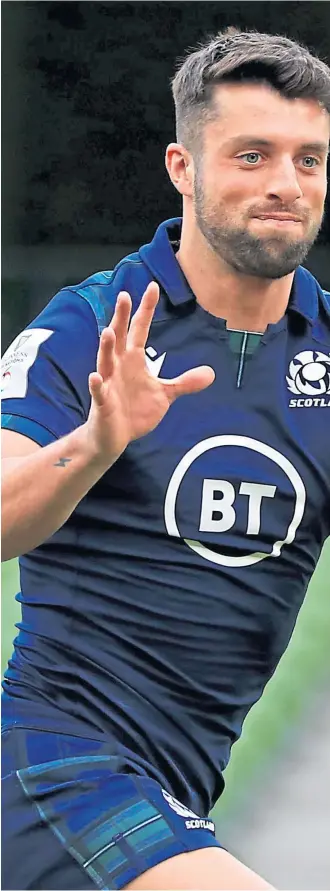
(45, 373)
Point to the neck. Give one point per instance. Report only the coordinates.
(245, 302)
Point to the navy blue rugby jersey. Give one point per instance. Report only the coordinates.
(158, 612)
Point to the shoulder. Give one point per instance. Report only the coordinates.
(101, 289)
(79, 312)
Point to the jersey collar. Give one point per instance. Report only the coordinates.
(159, 256)
(305, 295)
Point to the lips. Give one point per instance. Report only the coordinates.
(280, 217)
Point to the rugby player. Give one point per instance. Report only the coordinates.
(167, 543)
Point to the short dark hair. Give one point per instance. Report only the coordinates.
(243, 56)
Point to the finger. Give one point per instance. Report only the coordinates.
(96, 387)
(190, 382)
(106, 353)
(120, 320)
(141, 321)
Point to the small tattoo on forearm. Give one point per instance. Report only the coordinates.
(62, 462)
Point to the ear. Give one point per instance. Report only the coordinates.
(180, 168)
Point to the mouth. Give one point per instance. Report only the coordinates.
(278, 218)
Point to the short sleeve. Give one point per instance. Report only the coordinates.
(45, 371)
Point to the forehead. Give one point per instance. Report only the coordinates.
(258, 109)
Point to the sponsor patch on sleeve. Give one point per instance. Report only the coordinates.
(18, 359)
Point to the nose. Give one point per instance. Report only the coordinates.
(282, 182)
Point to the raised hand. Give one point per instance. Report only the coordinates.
(127, 401)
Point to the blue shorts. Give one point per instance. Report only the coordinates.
(76, 817)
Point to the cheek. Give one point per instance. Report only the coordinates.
(225, 190)
(316, 203)
(238, 186)
(315, 189)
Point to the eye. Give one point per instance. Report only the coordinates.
(312, 162)
(251, 157)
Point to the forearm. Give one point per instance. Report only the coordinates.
(40, 491)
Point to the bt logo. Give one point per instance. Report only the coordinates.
(218, 515)
(255, 492)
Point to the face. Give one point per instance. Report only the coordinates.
(263, 159)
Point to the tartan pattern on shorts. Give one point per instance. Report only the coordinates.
(109, 822)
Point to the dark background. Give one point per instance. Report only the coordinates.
(87, 114)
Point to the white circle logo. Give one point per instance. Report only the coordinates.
(309, 374)
(256, 446)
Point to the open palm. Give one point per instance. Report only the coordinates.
(127, 401)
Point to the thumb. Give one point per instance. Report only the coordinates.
(189, 382)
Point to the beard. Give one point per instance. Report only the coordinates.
(270, 257)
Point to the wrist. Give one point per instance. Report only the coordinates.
(96, 457)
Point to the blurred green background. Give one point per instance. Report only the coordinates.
(300, 673)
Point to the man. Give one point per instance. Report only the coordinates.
(168, 543)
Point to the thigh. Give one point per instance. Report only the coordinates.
(208, 869)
